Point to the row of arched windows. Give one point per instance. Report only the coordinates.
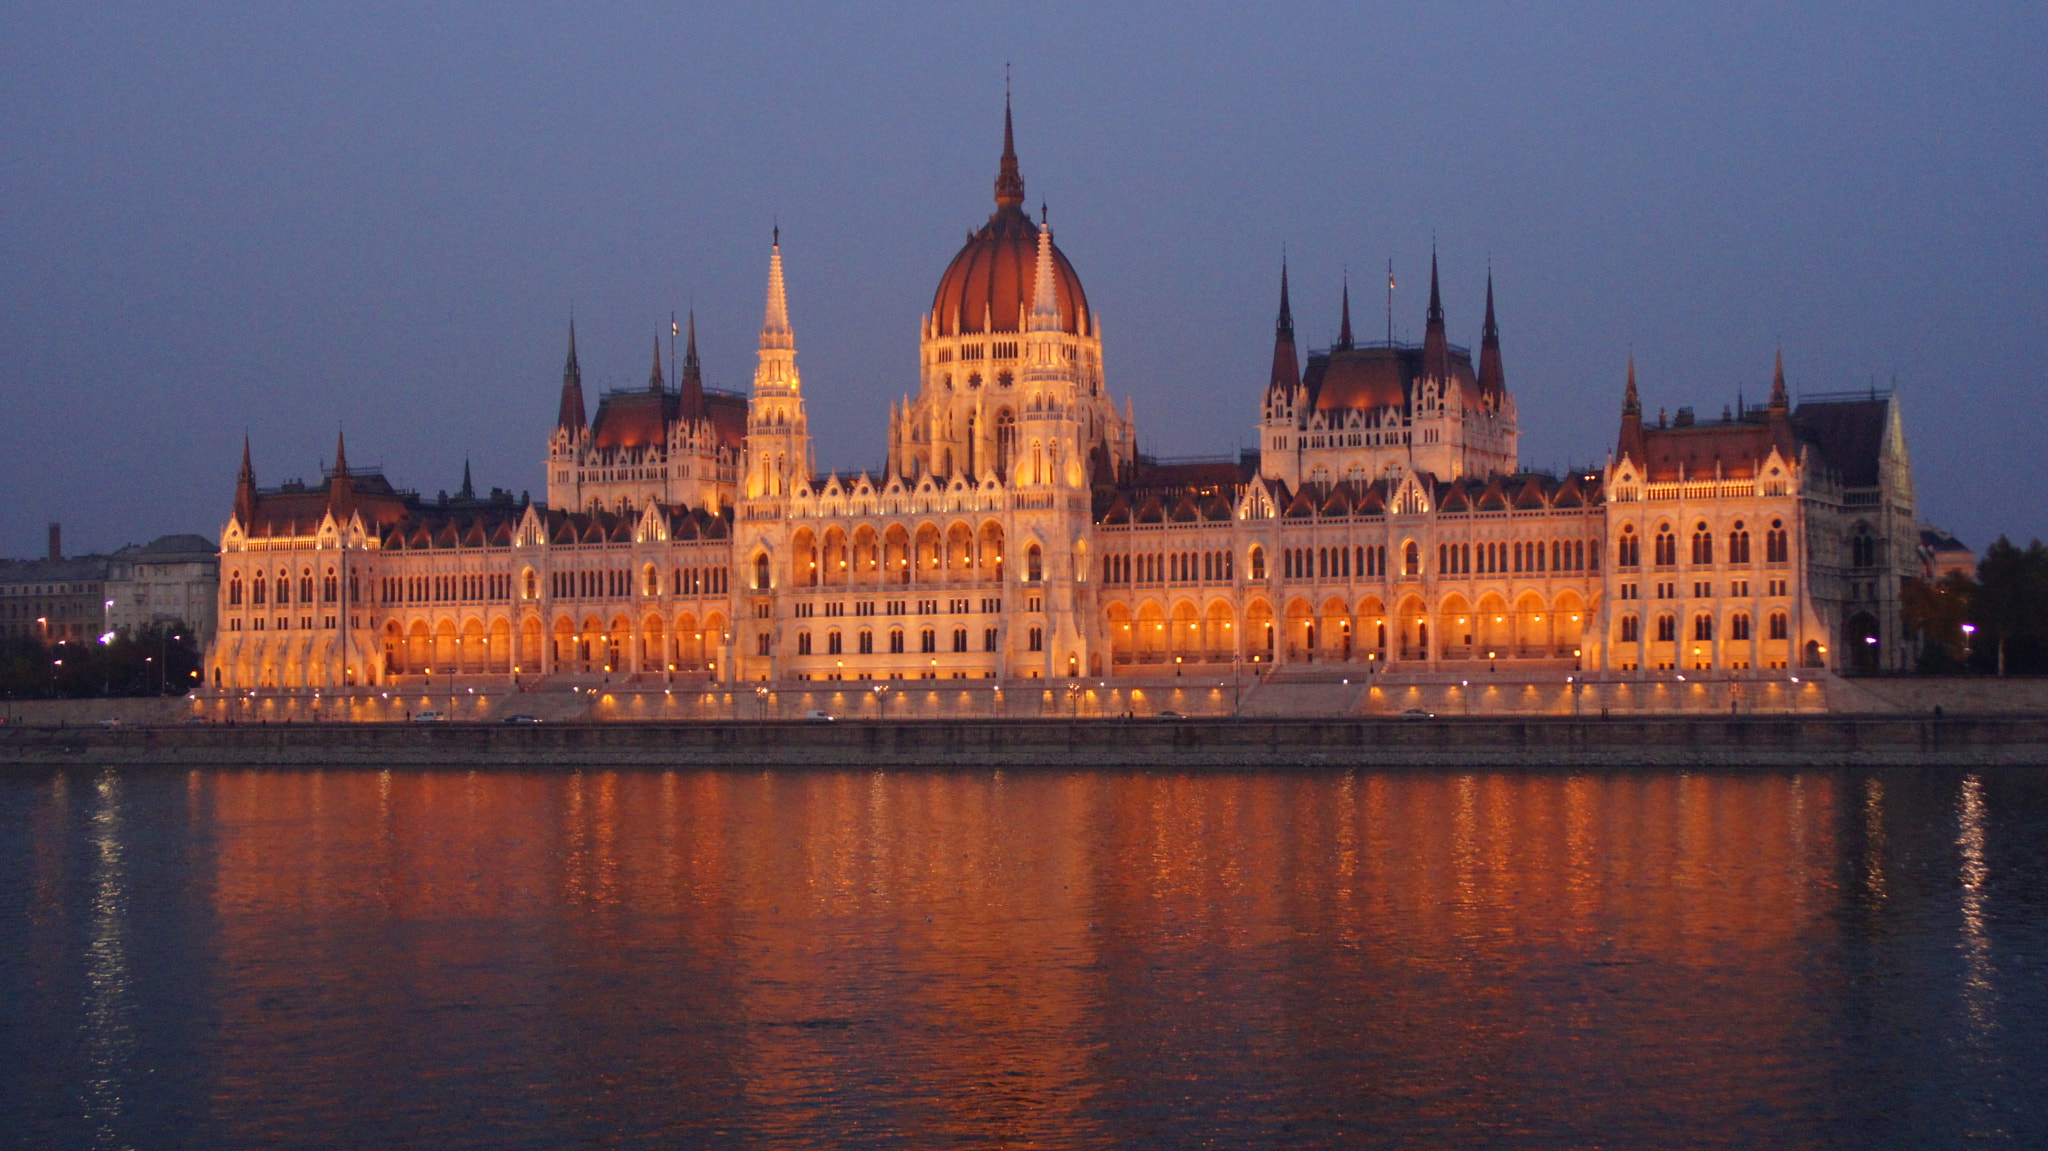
(1778, 626)
(1664, 547)
(260, 587)
(1168, 567)
(1486, 558)
(864, 641)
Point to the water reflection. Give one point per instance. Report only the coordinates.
(1085, 959)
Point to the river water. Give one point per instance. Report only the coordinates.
(244, 959)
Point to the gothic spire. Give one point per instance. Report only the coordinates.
(1492, 376)
(1344, 331)
(340, 454)
(1286, 375)
(1436, 346)
(693, 374)
(655, 380)
(1779, 400)
(570, 414)
(775, 330)
(245, 489)
(1631, 404)
(1631, 443)
(1045, 300)
(468, 491)
(1009, 182)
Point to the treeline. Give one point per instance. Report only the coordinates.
(1994, 624)
(161, 659)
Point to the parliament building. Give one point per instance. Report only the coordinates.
(1384, 525)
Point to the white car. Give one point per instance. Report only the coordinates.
(816, 716)
(430, 717)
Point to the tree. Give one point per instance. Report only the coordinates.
(2010, 609)
(1934, 615)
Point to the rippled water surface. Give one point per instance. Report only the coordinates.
(353, 959)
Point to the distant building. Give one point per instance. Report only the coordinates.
(1013, 531)
(54, 599)
(170, 579)
(1942, 554)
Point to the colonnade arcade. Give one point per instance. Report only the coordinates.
(569, 642)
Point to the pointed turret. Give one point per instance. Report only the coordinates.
(1009, 182)
(468, 491)
(775, 330)
(340, 453)
(1630, 445)
(1779, 414)
(1493, 384)
(1286, 376)
(1344, 329)
(656, 381)
(245, 489)
(693, 375)
(1045, 300)
(571, 414)
(1436, 346)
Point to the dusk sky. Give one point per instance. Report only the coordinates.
(285, 219)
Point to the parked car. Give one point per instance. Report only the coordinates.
(816, 716)
(522, 719)
(430, 717)
(1171, 715)
(1417, 713)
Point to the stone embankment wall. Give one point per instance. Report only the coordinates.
(1182, 744)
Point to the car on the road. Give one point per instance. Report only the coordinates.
(816, 716)
(522, 719)
(430, 717)
(1417, 713)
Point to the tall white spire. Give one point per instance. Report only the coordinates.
(775, 373)
(775, 330)
(1045, 300)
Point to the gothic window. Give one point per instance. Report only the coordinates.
(1777, 549)
(928, 640)
(1702, 545)
(896, 642)
(1667, 628)
(1667, 547)
(1004, 379)
(234, 589)
(866, 644)
(959, 639)
(1862, 548)
(761, 570)
(1411, 559)
(330, 587)
(1738, 627)
(803, 643)
(1631, 629)
(832, 643)
(1258, 562)
(1780, 625)
(1006, 438)
(1037, 639)
(1703, 628)
(1738, 544)
(988, 639)
(973, 380)
(1034, 565)
(761, 644)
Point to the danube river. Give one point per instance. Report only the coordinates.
(245, 959)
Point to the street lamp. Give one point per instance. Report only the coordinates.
(1969, 631)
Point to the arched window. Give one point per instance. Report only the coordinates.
(896, 642)
(761, 570)
(1411, 559)
(1667, 547)
(1667, 628)
(1777, 549)
(1006, 439)
(1780, 625)
(928, 640)
(803, 643)
(1631, 629)
(1258, 562)
(1034, 565)
(330, 587)
(959, 639)
(234, 589)
(1703, 627)
(1738, 544)
(1862, 548)
(532, 584)
(1702, 545)
(651, 581)
(1738, 626)
(866, 644)
(258, 587)
(833, 640)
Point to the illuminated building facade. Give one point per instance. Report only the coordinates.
(1384, 525)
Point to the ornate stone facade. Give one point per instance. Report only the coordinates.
(1384, 526)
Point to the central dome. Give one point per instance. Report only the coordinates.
(987, 287)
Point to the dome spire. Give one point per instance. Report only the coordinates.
(1492, 377)
(1436, 346)
(1778, 398)
(1009, 182)
(693, 374)
(570, 414)
(245, 489)
(340, 453)
(655, 380)
(775, 330)
(1631, 445)
(1286, 375)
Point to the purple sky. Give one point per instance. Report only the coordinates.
(288, 218)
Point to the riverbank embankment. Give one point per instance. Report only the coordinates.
(1173, 743)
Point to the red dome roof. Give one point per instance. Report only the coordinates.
(988, 285)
